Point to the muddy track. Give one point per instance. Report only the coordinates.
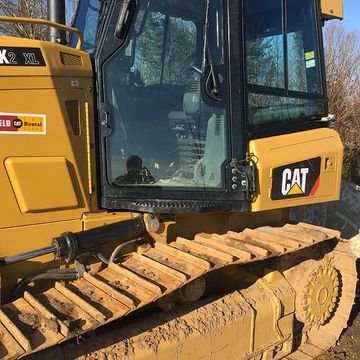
(110, 342)
(139, 280)
(148, 332)
(343, 215)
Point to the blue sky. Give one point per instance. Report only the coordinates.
(352, 14)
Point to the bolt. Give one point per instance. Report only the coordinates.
(234, 187)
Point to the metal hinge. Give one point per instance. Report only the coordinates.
(243, 175)
(105, 120)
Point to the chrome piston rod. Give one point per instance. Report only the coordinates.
(28, 255)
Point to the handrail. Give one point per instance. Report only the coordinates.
(15, 19)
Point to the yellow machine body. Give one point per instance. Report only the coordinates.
(332, 9)
(48, 181)
(277, 151)
(48, 176)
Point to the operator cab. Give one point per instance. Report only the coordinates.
(188, 84)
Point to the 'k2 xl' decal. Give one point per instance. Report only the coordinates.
(21, 56)
(296, 180)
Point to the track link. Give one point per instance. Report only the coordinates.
(33, 323)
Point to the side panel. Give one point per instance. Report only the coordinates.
(47, 151)
(47, 154)
(298, 169)
(36, 182)
(27, 172)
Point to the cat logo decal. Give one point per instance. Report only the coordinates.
(300, 179)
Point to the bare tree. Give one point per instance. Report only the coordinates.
(23, 8)
(342, 53)
(29, 9)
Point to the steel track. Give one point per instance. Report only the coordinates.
(33, 323)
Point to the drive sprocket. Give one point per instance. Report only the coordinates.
(321, 295)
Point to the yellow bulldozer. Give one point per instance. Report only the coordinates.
(149, 159)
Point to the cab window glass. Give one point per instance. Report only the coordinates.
(164, 49)
(282, 62)
(303, 54)
(265, 43)
(163, 134)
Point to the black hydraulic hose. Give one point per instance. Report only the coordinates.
(51, 274)
(102, 258)
(57, 271)
(69, 244)
(120, 248)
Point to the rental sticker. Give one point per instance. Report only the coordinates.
(22, 124)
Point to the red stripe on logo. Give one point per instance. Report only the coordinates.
(315, 187)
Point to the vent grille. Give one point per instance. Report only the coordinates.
(70, 59)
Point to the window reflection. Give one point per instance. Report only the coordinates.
(271, 70)
(265, 44)
(303, 55)
(269, 108)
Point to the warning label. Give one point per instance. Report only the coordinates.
(22, 124)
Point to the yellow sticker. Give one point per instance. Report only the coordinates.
(310, 55)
